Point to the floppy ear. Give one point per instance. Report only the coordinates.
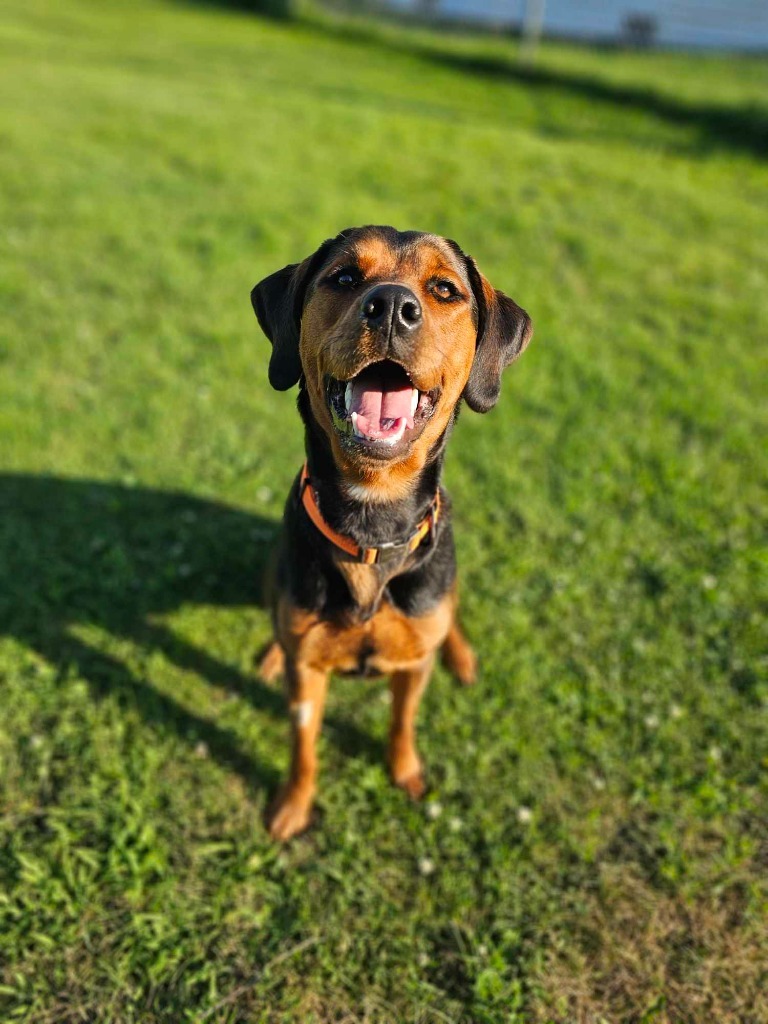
(503, 332)
(278, 302)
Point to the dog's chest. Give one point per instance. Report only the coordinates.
(388, 641)
(366, 585)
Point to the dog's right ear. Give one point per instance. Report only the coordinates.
(278, 302)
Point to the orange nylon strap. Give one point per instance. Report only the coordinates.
(368, 556)
(310, 504)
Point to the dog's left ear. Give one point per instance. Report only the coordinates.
(278, 302)
(503, 333)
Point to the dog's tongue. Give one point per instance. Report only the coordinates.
(381, 399)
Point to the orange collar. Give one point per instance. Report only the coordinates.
(368, 556)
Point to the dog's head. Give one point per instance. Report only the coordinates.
(390, 330)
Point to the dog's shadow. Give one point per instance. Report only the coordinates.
(82, 553)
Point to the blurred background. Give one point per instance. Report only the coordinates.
(594, 844)
(716, 24)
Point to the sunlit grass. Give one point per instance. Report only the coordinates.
(593, 842)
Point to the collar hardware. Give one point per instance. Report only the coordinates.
(386, 554)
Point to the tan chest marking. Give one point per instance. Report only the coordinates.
(365, 582)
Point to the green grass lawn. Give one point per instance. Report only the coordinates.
(594, 847)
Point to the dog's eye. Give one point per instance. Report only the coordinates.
(347, 277)
(444, 290)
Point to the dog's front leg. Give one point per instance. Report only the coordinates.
(307, 688)
(407, 686)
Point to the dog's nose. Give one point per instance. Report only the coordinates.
(392, 304)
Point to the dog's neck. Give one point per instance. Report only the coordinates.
(350, 509)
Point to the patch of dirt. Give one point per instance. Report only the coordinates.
(636, 955)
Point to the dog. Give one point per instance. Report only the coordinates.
(386, 333)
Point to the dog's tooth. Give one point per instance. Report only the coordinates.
(358, 432)
(348, 397)
(414, 401)
(394, 438)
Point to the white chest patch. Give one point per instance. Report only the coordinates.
(360, 492)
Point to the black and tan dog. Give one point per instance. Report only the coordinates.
(385, 332)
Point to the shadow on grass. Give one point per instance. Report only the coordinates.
(744, 128)
(78, 552)
(276, 9)
(719, 126)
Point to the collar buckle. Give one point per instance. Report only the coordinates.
(385, 554)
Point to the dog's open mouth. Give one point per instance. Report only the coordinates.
(380, 407)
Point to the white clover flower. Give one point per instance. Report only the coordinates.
(651, 721)
(434, 809)
(524, 815)
(426, 866)
(709, 582)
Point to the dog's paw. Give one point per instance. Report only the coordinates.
(289, 816)
(408, 773)
(271, 663)
(414, 785)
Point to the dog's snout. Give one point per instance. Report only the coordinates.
(392, 304)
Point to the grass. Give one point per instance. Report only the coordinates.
(596, 831)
